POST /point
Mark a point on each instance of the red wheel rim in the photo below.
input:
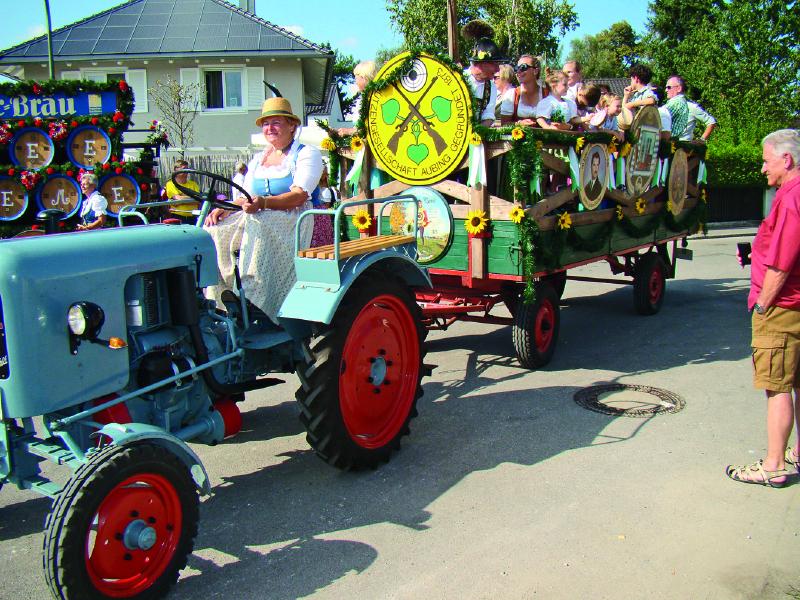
(379, 371)
(656, 286)
(146, 504)
(544, 325)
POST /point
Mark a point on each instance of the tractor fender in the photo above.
(318, 302)
(125, 434)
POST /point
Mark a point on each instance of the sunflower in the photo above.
(517, 214)
(362, 220)
(620, 214)
(517, 133)
(564, 221)
(476, 222)
(640, 204)
(356, 143)
(579, 144)
(539, 144)
(626, 149)
(612, 147)
(475, 140)
(328, 144)
(670, 206)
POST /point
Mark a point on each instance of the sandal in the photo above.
(755, 473)
(790, 457)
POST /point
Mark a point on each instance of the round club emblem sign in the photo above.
(643, 159)
(593, 175)
(678, 181)
(419, 125)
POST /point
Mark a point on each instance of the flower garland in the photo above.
(528, 232)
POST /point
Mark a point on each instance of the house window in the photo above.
(224, 88)
(102, 76)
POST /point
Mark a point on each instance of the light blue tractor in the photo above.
(111, 360)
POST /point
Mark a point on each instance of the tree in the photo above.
(740, 58)
(532, 26)
(343, 65)
(610, 53)
(178, 104)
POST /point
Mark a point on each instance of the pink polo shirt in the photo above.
(777, 245)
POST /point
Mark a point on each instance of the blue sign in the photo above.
(57, 105)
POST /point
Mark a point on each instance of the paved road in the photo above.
(507, 488)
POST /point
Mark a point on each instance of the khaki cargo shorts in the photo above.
(776, 349)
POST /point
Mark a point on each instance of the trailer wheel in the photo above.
(558, 281)
(649, 284)
(360, 386)
(535, 330)
(122, 527)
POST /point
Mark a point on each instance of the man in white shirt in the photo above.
(676, 88)
(483, 64)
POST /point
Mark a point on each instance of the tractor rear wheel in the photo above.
(360, 386)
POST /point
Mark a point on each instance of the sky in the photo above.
(355, 27)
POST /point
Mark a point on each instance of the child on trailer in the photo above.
(556, 111)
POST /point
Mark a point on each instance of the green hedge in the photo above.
(731, 166)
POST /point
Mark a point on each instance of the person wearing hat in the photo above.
(282, 181)
(484, 62)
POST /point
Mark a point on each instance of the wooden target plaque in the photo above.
(60, 192)
(643, 159)
(88, 145)
(13, 199)
(119, 190)
(32, 148)
(678, 180)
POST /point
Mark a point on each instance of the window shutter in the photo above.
(70, 75)
(137, 79)
(255, 87)
(190, 76)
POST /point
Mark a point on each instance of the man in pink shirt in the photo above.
(775, 301)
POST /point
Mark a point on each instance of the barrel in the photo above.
(87, 145)
(13, 198)
(120, 190)
(32, 148)
(61, 192)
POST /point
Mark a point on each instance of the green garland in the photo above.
(528, 231)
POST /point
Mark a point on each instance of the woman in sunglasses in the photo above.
(518, 106)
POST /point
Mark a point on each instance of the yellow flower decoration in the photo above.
(564, 221)
(356, 143)
(670, 206)
(476, 221)
(517, 133)
(620, 214)
(362, 220)
(482, 54)
(475, 140)
(640, 205)
(673, 147)
(517, 214)
(626, 149)
(539, 144)
(579, 144)
(328, 144)
(612, 147)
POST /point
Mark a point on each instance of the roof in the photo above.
(149, 28)
(616, 84)
(327, 103)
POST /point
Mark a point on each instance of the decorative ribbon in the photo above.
(612, 180)
(620, 172)
(664, 179)
(656, 174)
(477, 165)
(701, 173)
(354, 174)
(573, 169)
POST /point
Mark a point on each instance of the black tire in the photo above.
(558, 281)
(139, 491)
(649, 284)
(535, 330)
(361, 382)
(511, 296)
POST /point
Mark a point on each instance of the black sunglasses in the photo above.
(524, 67)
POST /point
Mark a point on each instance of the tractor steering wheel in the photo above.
(211, 195)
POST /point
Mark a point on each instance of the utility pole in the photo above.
(50, 64)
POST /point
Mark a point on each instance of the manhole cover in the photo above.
(628, 400)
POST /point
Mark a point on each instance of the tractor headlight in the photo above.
(85, 320)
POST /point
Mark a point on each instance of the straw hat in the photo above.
(277, 107)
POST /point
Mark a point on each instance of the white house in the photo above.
(226, 48)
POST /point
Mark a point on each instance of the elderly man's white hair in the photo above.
(785, 141)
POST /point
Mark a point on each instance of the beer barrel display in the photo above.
(526, 204)
(60, 192)
(13, 198)
(88, 145)
(32, 148)
(120, 190)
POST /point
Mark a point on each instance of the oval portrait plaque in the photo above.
(434, 226)
(32, 148)
(87, 145)
(593, 175)
(61, 192)
(119, 190)
(419, 126)
(678, 181)
(13, 199)
(643, 159)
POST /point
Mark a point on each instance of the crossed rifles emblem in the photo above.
(416, 122)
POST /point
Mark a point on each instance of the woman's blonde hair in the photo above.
(506, 73)
(366, 69)
(607, 99)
